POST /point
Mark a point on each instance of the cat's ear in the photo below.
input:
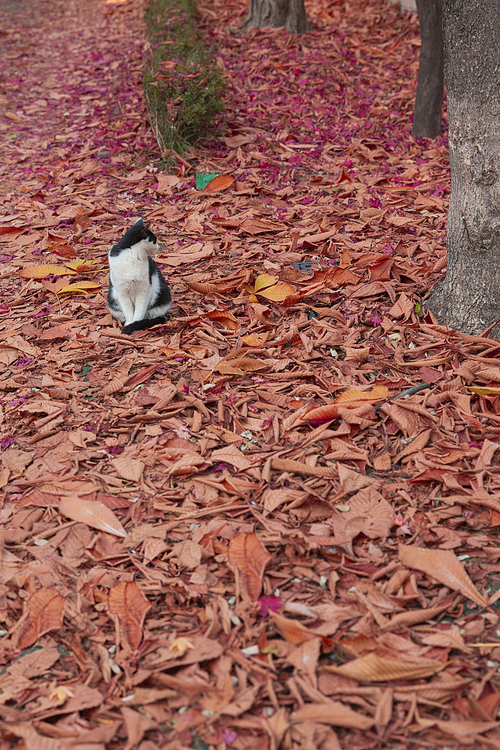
(146, 226)
(139, 223)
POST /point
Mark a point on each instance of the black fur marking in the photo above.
(138, 232)
(141, 325)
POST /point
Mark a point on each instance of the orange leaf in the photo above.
(345, 259)
(127, 602)
(293, 630)
(256, 339)
(63, 250)
(215, 286)
(40, 272)
(222, 182)
(247, 553)
(140, 377)
(341, 276)
(444, 566)
(347, 398)
(92, 512)
(382, 270)
(45, 612)
(377, 393)
(80, 266)
(321, 413)
(224, 317)
(203, 287)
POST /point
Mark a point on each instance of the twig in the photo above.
(408, 392)
(237, 340)
(186, 163)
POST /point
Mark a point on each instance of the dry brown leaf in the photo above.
(247, 553)
(127, 602)
(293, 630)
(450, 638)
(463, 731)
(443, 566)
(367, 513)
(92, 512)
(128, 468)
(374, 668)
(334, 713)
(45, 613)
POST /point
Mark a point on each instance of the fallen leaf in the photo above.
(443, 566)
(127, 602)
(247, 553)
(45, 613)
(92, 512)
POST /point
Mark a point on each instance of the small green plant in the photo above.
(182, 84)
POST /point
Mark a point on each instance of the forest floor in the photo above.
(229, 531)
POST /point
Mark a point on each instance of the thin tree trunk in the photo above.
(288, 13)
(429, 99)
(469, 297)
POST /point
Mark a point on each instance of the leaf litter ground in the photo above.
(234, 530)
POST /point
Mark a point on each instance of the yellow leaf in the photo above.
(41, 271)
(277, 293)
(80, 287)
(263, 281)
(179, 646)
(484, 390)
(60, 694)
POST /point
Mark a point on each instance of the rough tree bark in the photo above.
(429, 99)
(468, 299)
(288, 13)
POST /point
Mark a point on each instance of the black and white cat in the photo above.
(138, 294)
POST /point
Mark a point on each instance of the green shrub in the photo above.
(182, 84)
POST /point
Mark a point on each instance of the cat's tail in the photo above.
(140, 325)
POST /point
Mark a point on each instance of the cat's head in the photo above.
(141, 231)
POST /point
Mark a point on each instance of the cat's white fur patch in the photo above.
(129, 273)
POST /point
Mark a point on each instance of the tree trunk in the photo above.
(429, 99)
(288, 13)
(469, 297)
